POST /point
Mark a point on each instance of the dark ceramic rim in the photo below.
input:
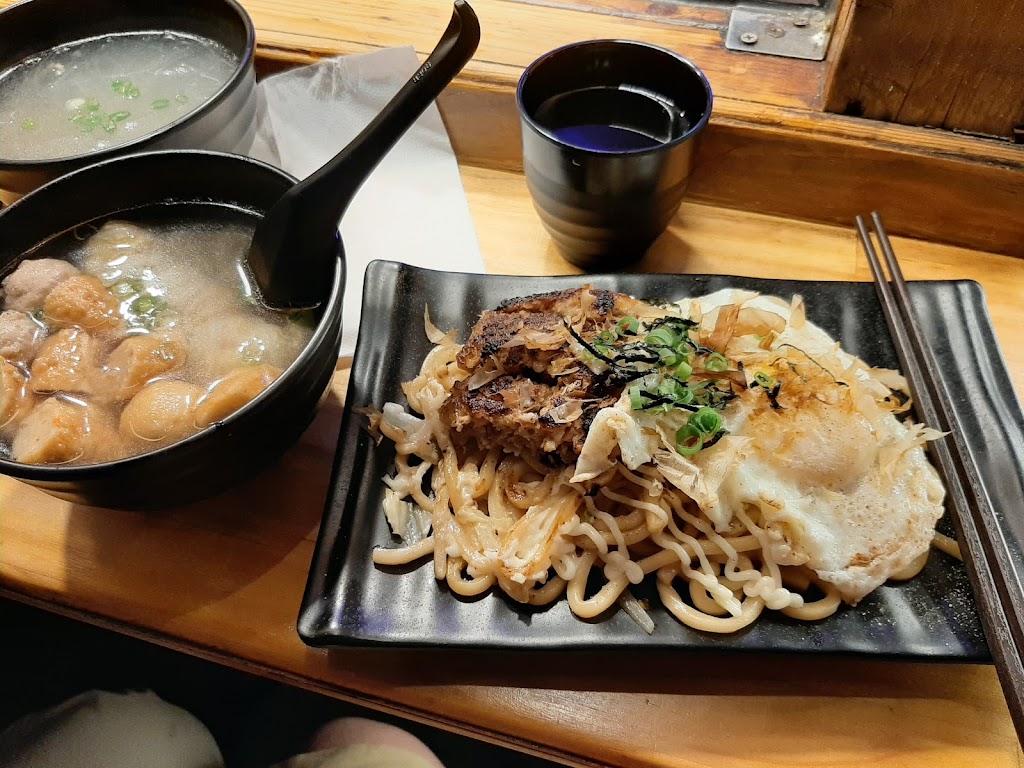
(63, 473)
(57, 163)
(689, 65)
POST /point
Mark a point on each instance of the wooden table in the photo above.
(223, 579)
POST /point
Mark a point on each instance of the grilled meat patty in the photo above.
(528, 392)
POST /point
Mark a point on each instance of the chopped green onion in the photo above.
(671, 388)
(126, 89)
(707, 421)
(161, 104)
(685, 396)
(147, 305)
(28, 125)
(635, 400)
(628, 324)
(662, 336)
(671, 357)
(145, 311)
(119, 117)
(683, 371)
(144, 305)
(688, 440)
(716, 363)
(89, 119)
(607, 336)
(764, 380)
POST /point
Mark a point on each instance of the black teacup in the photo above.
(608, 144)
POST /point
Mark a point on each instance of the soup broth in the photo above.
(102, 92)
(126, 337)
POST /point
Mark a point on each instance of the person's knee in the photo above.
(352, 731)
(134, 730)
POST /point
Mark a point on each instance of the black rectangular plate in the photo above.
(351, 602)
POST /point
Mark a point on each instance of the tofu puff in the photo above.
(148, 272)
(16, 399)
(65, 431)
(69, 361)
(840, 484)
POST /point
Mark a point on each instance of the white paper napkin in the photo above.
(412, 208)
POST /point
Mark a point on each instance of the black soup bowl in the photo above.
(225, 122)
(230, 451)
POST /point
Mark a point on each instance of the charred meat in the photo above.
(531, 389)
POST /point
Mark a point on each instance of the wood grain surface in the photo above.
(933, 185)
(769, 147)
(955, 64)
(515, 33)
(223, 579)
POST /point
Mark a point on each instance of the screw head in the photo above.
(749, 38)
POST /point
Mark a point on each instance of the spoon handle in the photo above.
(365, 152)
(293, 254)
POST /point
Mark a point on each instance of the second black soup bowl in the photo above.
(244, 443)
(226, 122)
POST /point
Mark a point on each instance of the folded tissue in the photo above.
(412, 208)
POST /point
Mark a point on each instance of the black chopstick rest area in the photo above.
(996, 584)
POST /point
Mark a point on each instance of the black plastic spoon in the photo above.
(294, 246)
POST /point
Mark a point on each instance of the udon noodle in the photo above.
(489, 512)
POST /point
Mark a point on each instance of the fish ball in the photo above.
(85, 302)
(233, 391)
(138, 360)
(20, 337)
(67, 362)
(27, 287)
(162, 412)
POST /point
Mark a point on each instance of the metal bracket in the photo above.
(798, 33)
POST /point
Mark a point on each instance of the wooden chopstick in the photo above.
(998, 591)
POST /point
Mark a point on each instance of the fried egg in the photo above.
(842, 485)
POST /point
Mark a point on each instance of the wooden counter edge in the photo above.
(250, 666)
(929, 184)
